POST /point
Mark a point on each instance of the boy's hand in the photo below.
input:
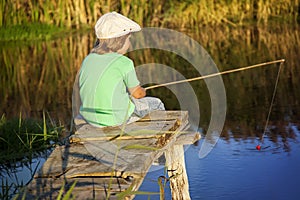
(137, 92)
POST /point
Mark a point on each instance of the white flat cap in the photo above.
(113, 24)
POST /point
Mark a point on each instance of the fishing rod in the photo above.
(216, 74)
(258, 147)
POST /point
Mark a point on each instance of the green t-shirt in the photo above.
(103, 84)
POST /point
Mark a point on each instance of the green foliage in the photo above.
(31, 31)
(165, 13)
(22, 138)
(27, 20)
(62, 195)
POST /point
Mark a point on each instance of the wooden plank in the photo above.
(157, 120)
(159, 115)
(88, 131)
(187, 137)
(67, 160)
(142, 134)
(86, 188)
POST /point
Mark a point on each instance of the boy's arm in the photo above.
(137, 92)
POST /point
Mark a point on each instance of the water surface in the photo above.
(42, 79)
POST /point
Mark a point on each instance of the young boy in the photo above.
(110, 92)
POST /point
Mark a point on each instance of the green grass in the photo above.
(32, 31)
(21, 139)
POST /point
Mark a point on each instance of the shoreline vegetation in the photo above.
(35, 20)
(50, 71)
(21, 138)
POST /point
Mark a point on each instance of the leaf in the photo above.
(45, 127)
(137, 146)
(69, 192)
(129, 192)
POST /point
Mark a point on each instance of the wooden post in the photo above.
(177, 173)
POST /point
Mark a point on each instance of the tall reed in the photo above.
(182, 14)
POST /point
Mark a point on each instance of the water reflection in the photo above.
(40, 76)
(14, 176)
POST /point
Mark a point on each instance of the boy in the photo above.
(110, 92)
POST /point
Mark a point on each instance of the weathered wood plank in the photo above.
(65, 160)
(86, 188)
(138, 128)
(187, 137)
(166, 115)
(146, 134)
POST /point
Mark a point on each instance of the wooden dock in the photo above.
(111, 162)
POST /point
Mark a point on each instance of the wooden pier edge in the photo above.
(74, 163)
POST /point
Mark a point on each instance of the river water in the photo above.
(42, 79)
(236, 170)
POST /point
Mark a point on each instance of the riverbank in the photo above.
(25, 20)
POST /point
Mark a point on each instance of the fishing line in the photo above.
(258, 147)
